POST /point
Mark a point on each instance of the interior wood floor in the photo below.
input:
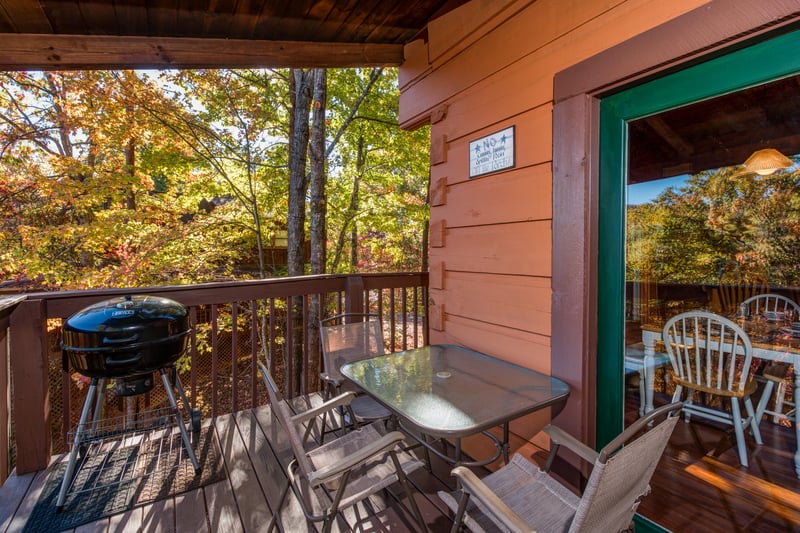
(699, 485)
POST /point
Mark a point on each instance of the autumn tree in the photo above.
(93, 214)
(715, 221)
(377, 195)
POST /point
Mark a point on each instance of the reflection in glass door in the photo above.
(700, 211)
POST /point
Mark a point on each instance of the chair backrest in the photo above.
(708, 351)
(349, 337)
(735, 287)
(283, 413)
(621, 474)
(774, 303)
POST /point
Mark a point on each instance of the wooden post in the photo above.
(4, 399)
(31, 393)
(354, 295)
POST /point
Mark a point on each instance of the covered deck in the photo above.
(254, 452)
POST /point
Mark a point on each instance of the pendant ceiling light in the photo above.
(767, 162)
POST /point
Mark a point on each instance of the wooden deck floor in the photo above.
(255, 452)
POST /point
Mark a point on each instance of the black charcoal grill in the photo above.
(126, 339)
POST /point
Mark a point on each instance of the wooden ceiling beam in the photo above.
(71, 52)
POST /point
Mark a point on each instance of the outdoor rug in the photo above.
(108, 484)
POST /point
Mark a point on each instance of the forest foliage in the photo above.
(718, 222)
(139, 178)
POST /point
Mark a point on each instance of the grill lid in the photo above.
(125, 322)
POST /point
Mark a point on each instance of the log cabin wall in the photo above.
(488, 65)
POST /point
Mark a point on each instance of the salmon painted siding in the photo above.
(488, 65)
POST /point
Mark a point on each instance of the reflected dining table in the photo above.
(771, 342)
(443, 391)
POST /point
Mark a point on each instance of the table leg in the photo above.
(797, 419)
(648, 372)
(505, 442)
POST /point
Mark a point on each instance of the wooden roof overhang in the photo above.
(117, 34)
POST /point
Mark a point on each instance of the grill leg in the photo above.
(70, 471)
(193, 413)
(101, 385)
(181, 426)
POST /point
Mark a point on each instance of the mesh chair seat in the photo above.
(522, 497)
(352, 467)
(544, 503)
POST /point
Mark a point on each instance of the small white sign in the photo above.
(492, 153)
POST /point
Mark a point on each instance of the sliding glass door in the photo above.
(699, 209)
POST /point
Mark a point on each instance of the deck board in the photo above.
(190, 512)
(242, 475)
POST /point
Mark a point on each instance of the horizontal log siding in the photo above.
(486, 66)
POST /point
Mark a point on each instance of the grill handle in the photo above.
(126, 340)
(110, 361)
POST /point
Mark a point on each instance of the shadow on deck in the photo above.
(255, 453)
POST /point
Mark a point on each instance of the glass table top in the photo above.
(451, 391)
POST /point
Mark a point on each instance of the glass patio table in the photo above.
(447, 391)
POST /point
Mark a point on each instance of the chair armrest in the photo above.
(364, 454)
(327, 378)
(559, 437)
(473, 486)
(343, 399)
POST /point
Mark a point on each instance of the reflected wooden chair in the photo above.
(711, 354)
(769, 305)
(778, 376)
(342, 472)
(345, 338)
(736, 287)
(522, 497)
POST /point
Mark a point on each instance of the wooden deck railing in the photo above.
(234, 324)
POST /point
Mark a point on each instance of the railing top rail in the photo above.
(62, 304)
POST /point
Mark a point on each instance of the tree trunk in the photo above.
(130, 169)
(300, 88)
(361, 162)
(319, 239)
(349, 221)
(317, 176)
(298, 182)
(426, 227)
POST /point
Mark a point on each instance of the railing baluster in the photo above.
(214, 360)
(405, 318)
(416, 317)
(272, 344)
(5, 389)
(234, 355)
(193, 354)
(65, 404)
(392, 327)
(254, 354)
(304, 349)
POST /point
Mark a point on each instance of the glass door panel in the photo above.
(691, 219)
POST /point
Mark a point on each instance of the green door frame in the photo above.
(746, 67)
